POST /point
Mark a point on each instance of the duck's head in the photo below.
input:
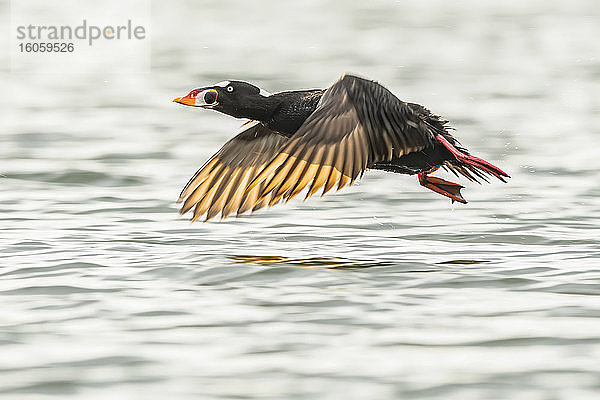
(236, 98)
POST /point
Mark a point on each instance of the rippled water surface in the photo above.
(384, 290)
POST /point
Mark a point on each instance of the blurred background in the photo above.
(384, 290)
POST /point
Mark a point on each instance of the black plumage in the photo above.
(320, 139)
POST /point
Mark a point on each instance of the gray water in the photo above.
(383, 290)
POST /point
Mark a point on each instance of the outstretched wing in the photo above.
(357, 123)
(220, 185)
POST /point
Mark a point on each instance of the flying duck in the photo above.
(320, 138)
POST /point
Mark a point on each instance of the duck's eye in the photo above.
(230, 89)
(210, 96)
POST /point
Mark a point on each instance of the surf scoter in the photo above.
(320, 138)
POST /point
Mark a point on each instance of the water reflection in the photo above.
(464, 262)
(320, 262)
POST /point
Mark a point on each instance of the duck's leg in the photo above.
(476, 162)
(441, 186)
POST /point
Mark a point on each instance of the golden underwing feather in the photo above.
(309, 172)
(344, 180)
(360, 151)
(281, 173)
(322, 172)
(268, 170)
(270, 201)
(235, 197)
(198, 178)
(332, 156)
(347, 161)
(296, 170)
(203, 205)
(333, 177)
(222, 194)
(349, 156)
(292, 177)
(306, 177)
(320, 178)
(261, 203)
(201, 190)
(250, 198)
(275, 197)
(219, 186)
(286, 175)
(265, 201)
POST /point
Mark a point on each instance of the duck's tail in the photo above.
(473, 168)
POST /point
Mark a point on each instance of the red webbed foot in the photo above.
(442, 186)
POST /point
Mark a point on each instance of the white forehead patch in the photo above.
(264, 93)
